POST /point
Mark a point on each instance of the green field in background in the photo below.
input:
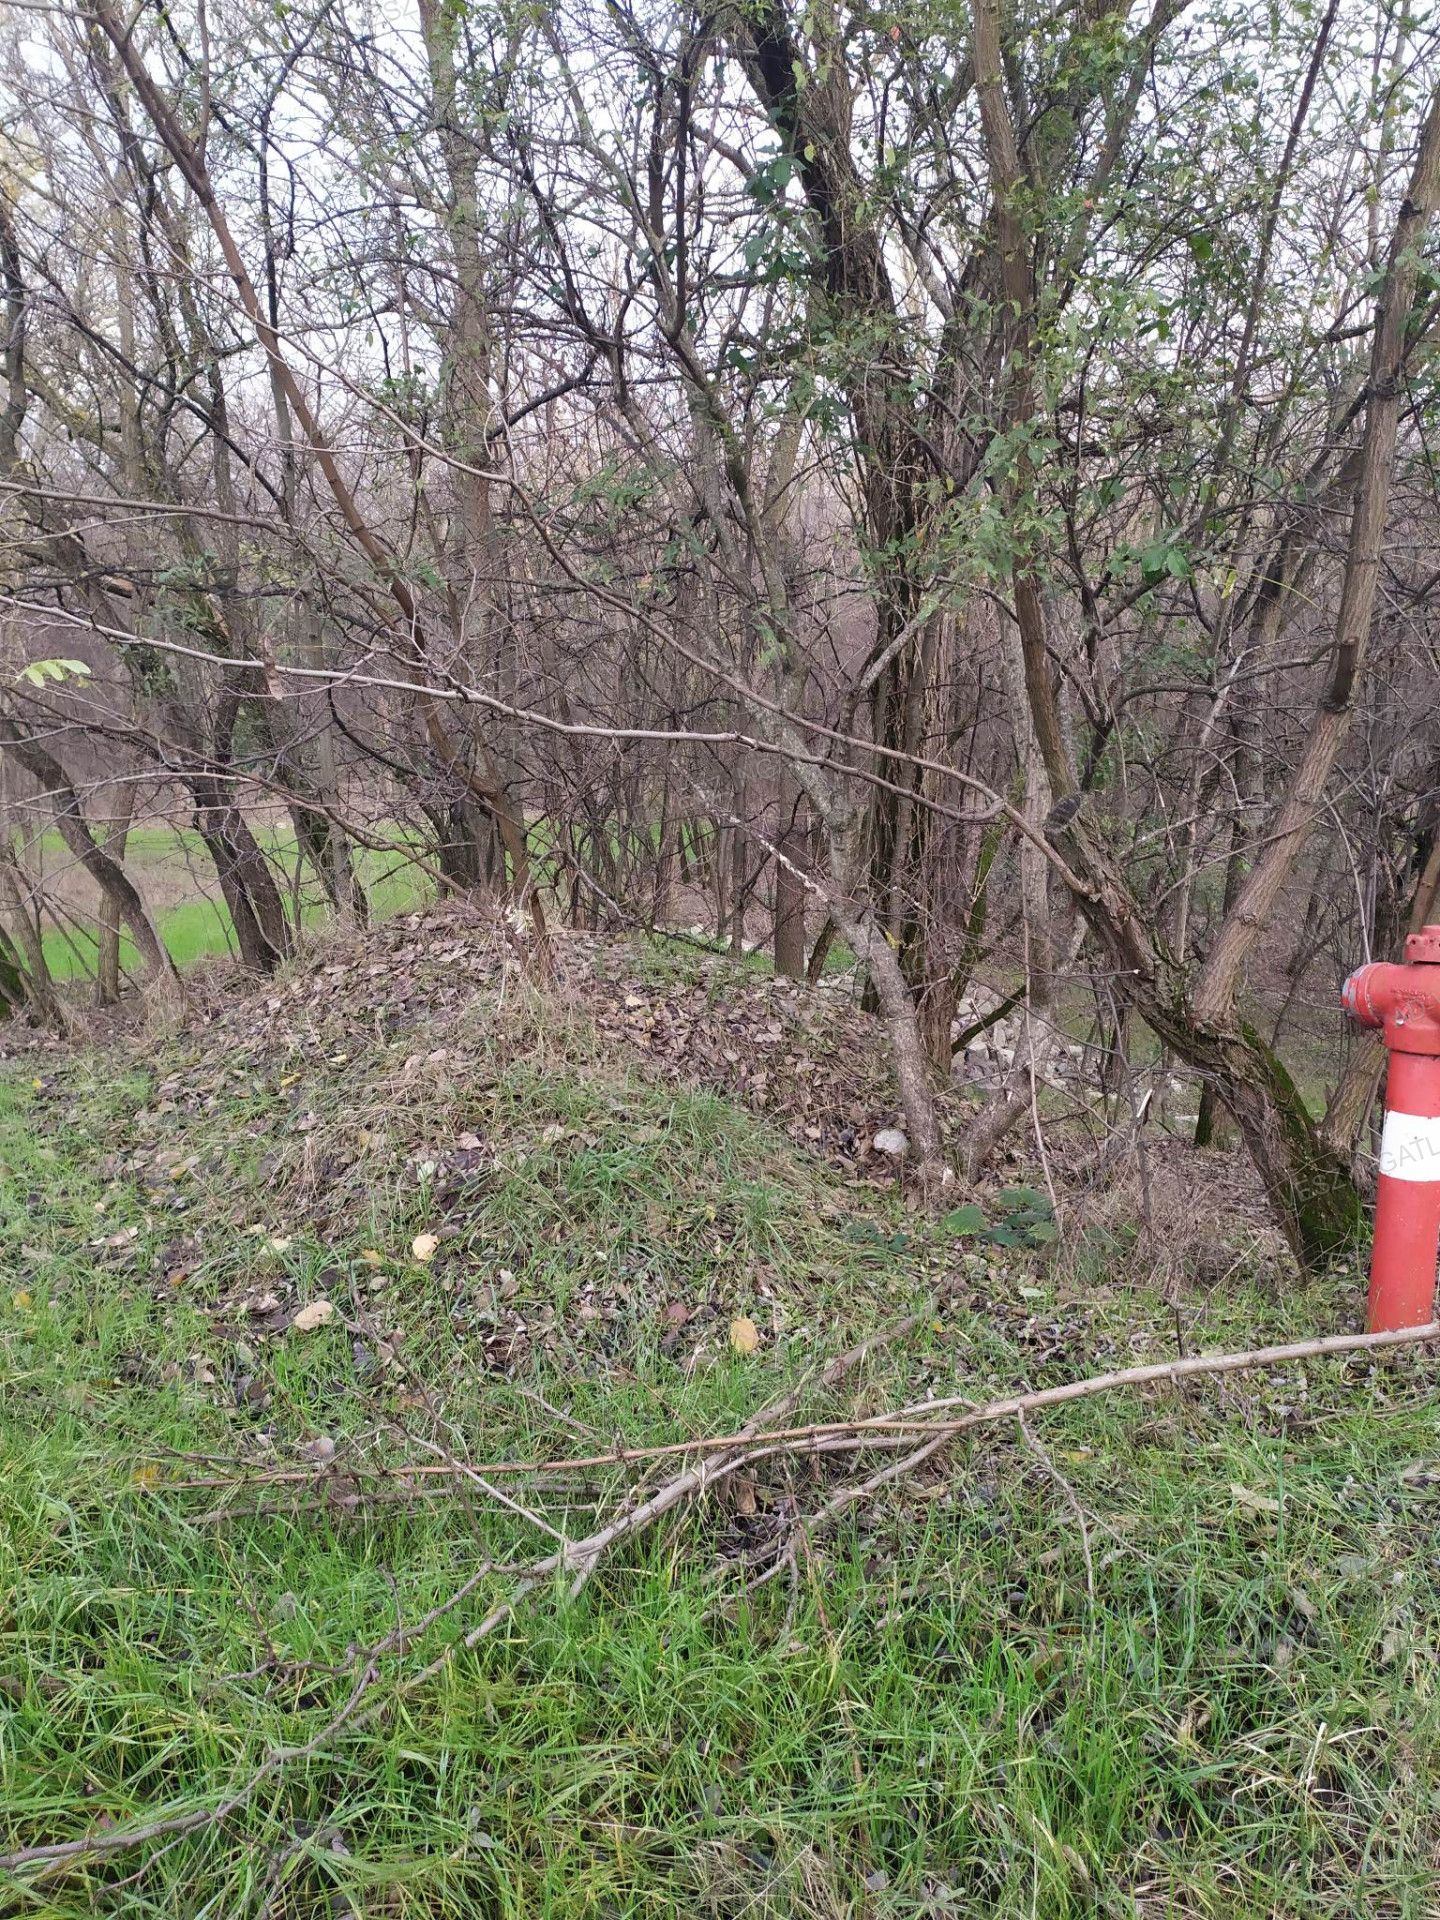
(201, 928)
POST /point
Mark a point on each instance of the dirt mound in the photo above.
(808, 1058)
(366, 1054)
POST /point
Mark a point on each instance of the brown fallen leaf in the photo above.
(1254, 1502)
(1192, 1724)
(425, 1246)
(1395, 1642)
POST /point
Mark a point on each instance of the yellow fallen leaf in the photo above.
(21, 1299)
(317, 1314)
(372, 1257)
(425, 1246)
(744, 1334)
(145, 1478)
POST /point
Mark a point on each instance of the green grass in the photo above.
(201, 928)
(927, 1716)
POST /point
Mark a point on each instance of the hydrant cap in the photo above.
(1423, 948)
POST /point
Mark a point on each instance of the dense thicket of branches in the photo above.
(923, 476)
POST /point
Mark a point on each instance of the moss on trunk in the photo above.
(1313, 1187)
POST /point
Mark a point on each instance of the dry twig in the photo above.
(904, 1420)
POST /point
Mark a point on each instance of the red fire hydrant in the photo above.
(1404, 1001)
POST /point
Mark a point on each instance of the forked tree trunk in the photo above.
(896, 1006)
(1294, 818)
(24, 971)
(483, 780)
(108, 876)
(1308, 1184)
(247, 884)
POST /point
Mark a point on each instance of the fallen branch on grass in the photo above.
(871, 1434)
(578, 1558)
(904, 1420)
(724, 1455)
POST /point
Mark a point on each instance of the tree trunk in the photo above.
(14, 992)
(1290, 825)
(789, 948)
(486, 784)
(54, 784)
(327, 847)
(1307, 1183)
(247, 885)
(461, 830)
(739, 893)
(30, 979)
(1038, 1037)
(820, 952)
(664, 862)
(896, 1006)
(107, 953)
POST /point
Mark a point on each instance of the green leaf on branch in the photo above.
(40, 671)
